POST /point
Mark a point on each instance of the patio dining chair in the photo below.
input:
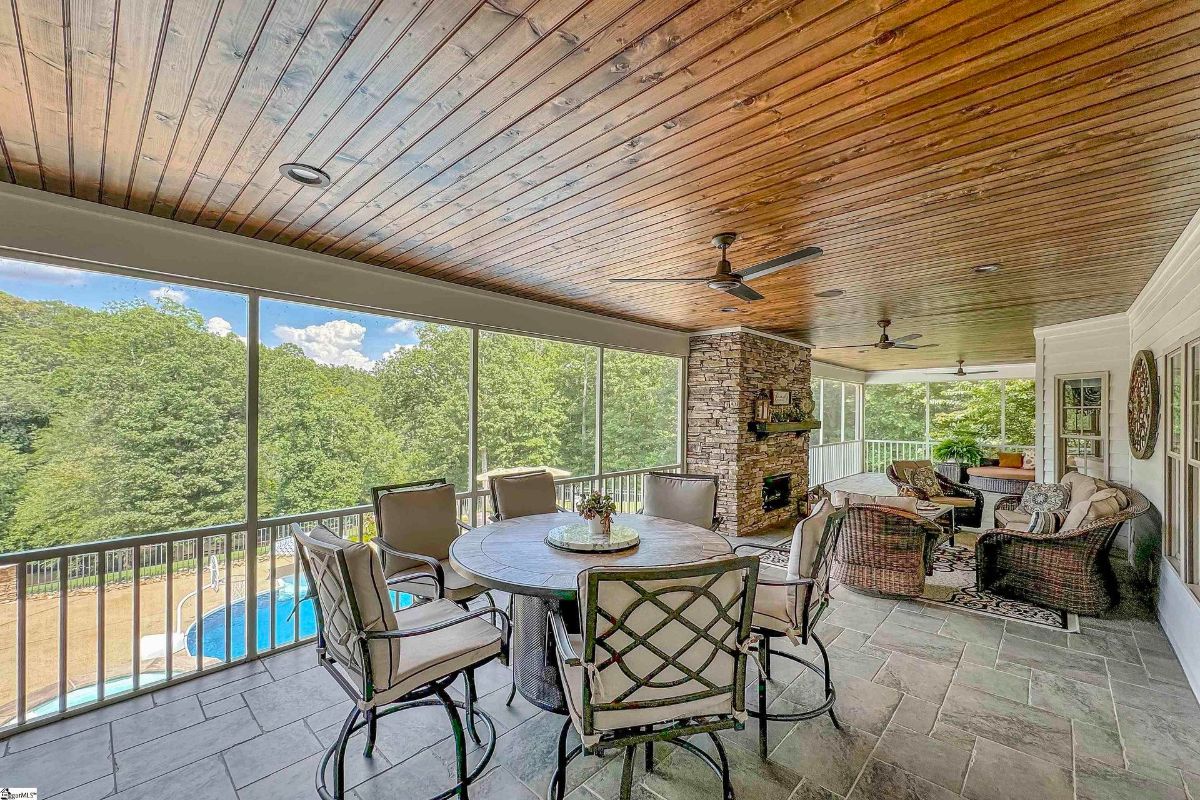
(662, 657)
(684, 498)
(388, 661)
(417, 523)
(791, 606)
(523, 494)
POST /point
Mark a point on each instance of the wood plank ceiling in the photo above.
(541, 147)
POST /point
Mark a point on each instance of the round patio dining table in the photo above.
(512, 555)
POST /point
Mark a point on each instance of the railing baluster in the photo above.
(169, 625)
(62, 633)
(102, 571)
(137, 617)
(271, 603)
(228, 596)
(199, 604)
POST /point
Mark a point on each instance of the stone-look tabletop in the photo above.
(512, 555)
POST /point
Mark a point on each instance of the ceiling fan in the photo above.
(960, 373)
(886, 342)
(726, 280)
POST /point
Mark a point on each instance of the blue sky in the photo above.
(331, 336)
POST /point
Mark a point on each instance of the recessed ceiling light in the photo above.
(986, 269)
(830, 293)
(304, 174)
(730, 310)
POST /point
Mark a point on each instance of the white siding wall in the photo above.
(1166, 312)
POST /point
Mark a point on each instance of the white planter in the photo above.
(596, 526)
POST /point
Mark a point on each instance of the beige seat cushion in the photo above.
(524, 495)
(1006, 473)
(690, 500)
(957, 502)
(430, 656)
(1014, 519)
(1101, 504)
(420, 520)
(1082, 487)
(457, 587)
(900, 503)
(776, 608)
(841, 499)
(572, 680)
(806, 538)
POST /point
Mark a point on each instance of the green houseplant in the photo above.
(962, 449)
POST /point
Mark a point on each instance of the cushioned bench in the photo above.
(1006, 480)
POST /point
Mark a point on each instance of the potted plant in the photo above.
(597, 509)
(959, 451)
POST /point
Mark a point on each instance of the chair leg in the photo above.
(460, 744)
(762, 713)
(649, 757)
(339, 757)
(764, 655)
(627, 772)
(512, 690)
(472, 696)
(828, 678)
(372, 726)
(726, 784)
(558, 783)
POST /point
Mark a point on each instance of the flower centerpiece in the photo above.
(597, 509)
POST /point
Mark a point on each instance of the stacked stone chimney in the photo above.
(725, 374)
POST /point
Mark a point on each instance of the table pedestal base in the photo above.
(534, 665)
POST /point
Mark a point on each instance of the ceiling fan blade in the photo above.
(982, 371)
(744, 292)
(659, 280)
(843, 346)
(913, 346)
(783, 262)
(907, 338)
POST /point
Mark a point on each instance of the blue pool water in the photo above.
(285, 633)
(87, 694)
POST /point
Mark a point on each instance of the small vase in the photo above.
(596, 526)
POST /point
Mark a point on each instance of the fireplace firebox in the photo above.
(776, 491)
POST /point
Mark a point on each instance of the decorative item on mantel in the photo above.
(789, 418)
(762, 407)
(1143, 405)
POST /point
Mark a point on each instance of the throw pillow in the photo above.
(841, 499)
(901, 503)
(1045, 522)
(1121, 497)
(1045, 497)
(925, 480)
(1082, 487)
(1011, 460)
(1027, 461)
(1102, 504)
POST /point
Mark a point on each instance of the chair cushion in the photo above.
(572, 680)
(1012, 518)
(524, 495)
(1046, 521)
(1101, 504)
(904, 468)
(1008, 473)
(1082, 487)
(434, 655)
(957, 502)
(1045, 497)
(841, 499)
(457, 587)
(806, 538)
(891, 501)
(690, 500)
(1028, 461)
(1010, 460)
(419, 520)
(924, 479)
(1122, 498)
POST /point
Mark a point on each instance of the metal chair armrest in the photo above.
(562, 641)
(777, 548)
(439, 574)
(405, 633)
(786, 582)
(717, 522)
(463, 526)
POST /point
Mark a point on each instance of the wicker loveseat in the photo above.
(1067, 571)
(968, 501)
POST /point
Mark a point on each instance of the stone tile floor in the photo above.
(934, 705)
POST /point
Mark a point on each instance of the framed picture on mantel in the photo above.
(781, 397)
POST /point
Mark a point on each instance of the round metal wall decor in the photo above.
(1143, 405)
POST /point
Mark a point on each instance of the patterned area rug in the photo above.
(953, 584)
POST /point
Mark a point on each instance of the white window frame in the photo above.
(1060, 437)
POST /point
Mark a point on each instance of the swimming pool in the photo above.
(87, 694)
(285, 625)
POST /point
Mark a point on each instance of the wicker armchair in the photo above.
(967, 516)
(886, 550)
(1068, 571)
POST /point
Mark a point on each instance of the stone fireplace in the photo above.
(726, 373)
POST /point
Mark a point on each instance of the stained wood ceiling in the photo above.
(540, 147)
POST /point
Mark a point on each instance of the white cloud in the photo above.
(40, 273)
(219, 326)
(402, 326)
(337, 343)
(167, 293)
(396, 348)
